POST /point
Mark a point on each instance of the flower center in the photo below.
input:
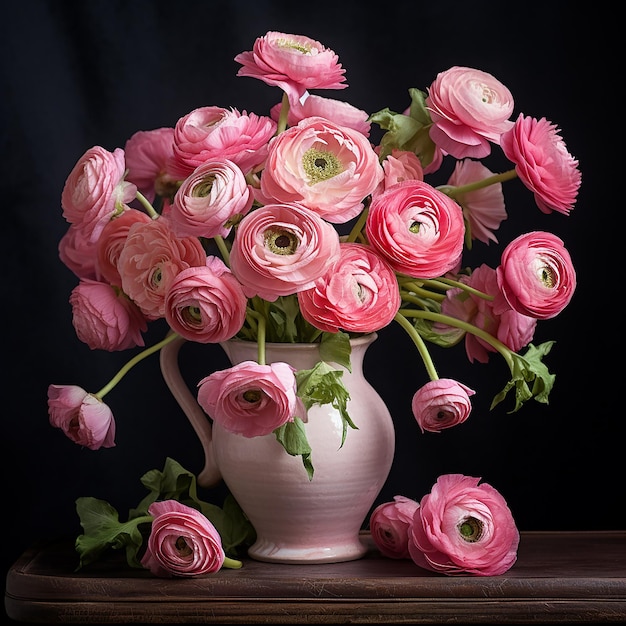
(471, 529)
(547, 276)
(182, 547)
(203, 189)
(294, 45)
(191, 314)
(320, 165)
(252, 396)
(281, 241)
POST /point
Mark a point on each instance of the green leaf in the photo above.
(335, 348)
(292, 437)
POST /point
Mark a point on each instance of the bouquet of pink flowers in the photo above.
(295, 226)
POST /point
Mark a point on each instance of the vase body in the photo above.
(298, 520)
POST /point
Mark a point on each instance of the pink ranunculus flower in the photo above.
(536, 276)
(399, 166)
(483, 208)
(95, 190)
(280, 249)
(470, 109)
(206, 304)
(417, 228)
(183, 542)
(543, 163)
(463, 528)
(294, 63)
(358, 293)
(211, 199)
(104, 318)
(212, 132)
(83, 417)
(151, 258)
(440, 404)
(111, 242)
(77, 253)
(250, 399)
(326, 167)
(148, 155)
(389, 526)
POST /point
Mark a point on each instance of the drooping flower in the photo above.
(389, 526)
(441, 404)
(462, 528)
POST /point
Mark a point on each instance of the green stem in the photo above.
(221, 245)
(147, 206)
(419, 343)
(130, 364)
(454, 192)
(358, 226)
(232, 563)
(284, 111)
(260, 337)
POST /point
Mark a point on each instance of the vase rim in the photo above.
(361, 339)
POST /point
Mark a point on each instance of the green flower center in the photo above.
(294, 45)
(320, 165)
(547, 276)
(191, 314)
(281, 241)
(252, 396)
(471, 529)
(204, 189)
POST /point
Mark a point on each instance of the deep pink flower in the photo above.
(417, 228)
(280, 249)
(462, 528)
(251, 399)
(77, 253)
(543, 163)
(359, 293)
(85, 419)
(294, 63)
(389, 526)
(206, 304)
(470, 109)
(326, 167)
(182, 542)
(536, 276)
(441, 403)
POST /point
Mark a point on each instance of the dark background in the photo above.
(77, 74)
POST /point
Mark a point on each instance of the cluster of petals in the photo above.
(325, 166)
(417, 228)
(183, 542)
(77, 253)
(359, 293)
(295, 63)
(543, 163)
(84, 418)
(470, 109)
(399, 166)
(441, 403)
(251, 399)
(389, 526)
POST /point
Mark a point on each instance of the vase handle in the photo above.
(170, 369)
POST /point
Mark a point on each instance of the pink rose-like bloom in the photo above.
(399, 166)
(462, 528)
(112, 240)
(417, 228)
(209, 200)
(104, 318)
(483, 208)
(536, 276)
(250, 399)
(280, 249)
(151, 258)
(389, 526)
(84, 419)
(441, 403)
(359, 293)
(326, 167)
(469, 109)
(206, 304)
(183, 542)
(77, 253)
(213, 132)
(294, 63)
(148, 154)
(543, 163)
(95, 190)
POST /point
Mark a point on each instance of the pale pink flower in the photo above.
(151, 258)
(212, 132)
(211, 199)
(327, 167)
(483, 208)
(463, 528)
(280, 249)
(536, 276)
(543, 163)
(206, 304)
(250, 399)
(111, 243)
(359, 293)
(83, 417)
(95, 190)
(440, 404)
(417, 228)
(104, 318)
(389, 526)
(470, 109)
(77, 253)
(148, 155)
(399, 166)
(183, 542)
(294, 63)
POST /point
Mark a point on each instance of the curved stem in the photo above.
(221, 244)
(284, 112)
(147, 206)
(232, 563)
(453, 192)
(419, 343)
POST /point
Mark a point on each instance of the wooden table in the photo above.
(558, 577)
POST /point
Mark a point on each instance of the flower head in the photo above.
(441, 404)
(389, 525)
